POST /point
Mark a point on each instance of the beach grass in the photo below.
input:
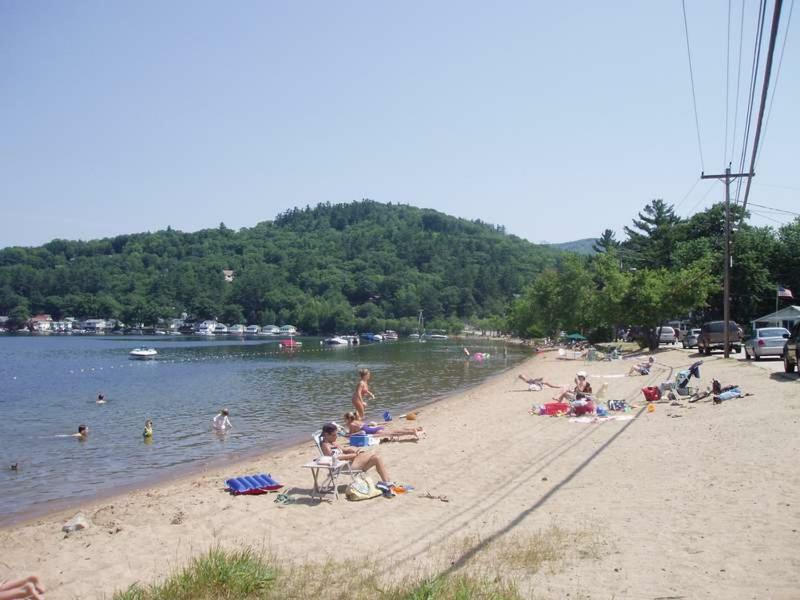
(247, 574)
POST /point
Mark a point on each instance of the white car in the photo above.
(667, 335)
(690, 339)
(767, 341)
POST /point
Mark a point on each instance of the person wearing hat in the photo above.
(582, 386)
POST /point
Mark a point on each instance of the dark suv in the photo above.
(790, 349)
(712, 337)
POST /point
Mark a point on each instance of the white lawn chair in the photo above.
(331, 468)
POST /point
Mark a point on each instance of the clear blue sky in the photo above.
(555, 121)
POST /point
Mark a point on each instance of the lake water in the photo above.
(276, 397)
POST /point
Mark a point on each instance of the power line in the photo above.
(751, 96)
(691, 189)
(727, 85)
(773, 35)
(696, 204)
(780, 210)
(738, 81)
(778, 72)
(691, 78)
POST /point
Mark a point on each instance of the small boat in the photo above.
(437, 336)
(390, 335)
(372, 337)
(413, 336)
(336, 341)
(290, 343)
(143, 353)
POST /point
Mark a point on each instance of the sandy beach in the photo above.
(690, 501)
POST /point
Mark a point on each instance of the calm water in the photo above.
(50, 383)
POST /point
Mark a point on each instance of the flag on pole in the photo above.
(784, 292)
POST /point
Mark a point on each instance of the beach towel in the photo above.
(600, 419)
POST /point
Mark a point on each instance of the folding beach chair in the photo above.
(331, 470)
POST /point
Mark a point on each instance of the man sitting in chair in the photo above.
(357, 458)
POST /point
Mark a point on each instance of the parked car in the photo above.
(690, 339)
(790, 349)
(767, 341)
(667, 335)
(712, 337)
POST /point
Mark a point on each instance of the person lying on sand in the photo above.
(642, 368)
(356, 426)
(535, 384)
(359, 459)
(28, 588)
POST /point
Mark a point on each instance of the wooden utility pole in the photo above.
(726, 282)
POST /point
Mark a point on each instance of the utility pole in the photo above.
(726, 285)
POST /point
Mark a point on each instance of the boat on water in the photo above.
(143, 353)
(436, 336)
(336, 341)
(389, 335)
(270, 330)
(237, 329)
(252, 330)
(220, 329)
(413, 336)
(372, 337)
(290, 343)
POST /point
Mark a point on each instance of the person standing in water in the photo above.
(362, 390)
(221, 422)
(148, 429)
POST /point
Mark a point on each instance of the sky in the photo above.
(555, 120)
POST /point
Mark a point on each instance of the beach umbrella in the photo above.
(575, 336)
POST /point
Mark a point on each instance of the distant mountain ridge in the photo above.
(584, 246)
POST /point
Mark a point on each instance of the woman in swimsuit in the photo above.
(359, 459)
(362, 389)
(582, 386)
(354, 425)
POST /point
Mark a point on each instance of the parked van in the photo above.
(712, 337)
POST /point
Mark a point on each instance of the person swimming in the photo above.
(83, 432)
(148, 429)
(101, 399)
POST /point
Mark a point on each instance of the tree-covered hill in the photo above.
(584, 246)
(324, 269)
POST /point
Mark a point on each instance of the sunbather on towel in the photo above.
(359, 459)
(582, 386)
(354, 425)
(535, 384)
(30, 587)
(642, 368)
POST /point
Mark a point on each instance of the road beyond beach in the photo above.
(688, 501)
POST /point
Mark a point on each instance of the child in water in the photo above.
(221, 422)
(148, 429)
(362, 389)
(83, 432)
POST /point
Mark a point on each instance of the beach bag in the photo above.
(651, 394)
(362, 488)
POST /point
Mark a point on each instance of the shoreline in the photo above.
(703, 490)
(67, 508)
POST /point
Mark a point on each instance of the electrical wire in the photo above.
(727, 85)
(778, 72)
(752, 94)
(773, 38)
(691, 78)
(780, 210)
(691, 189)
(708, 191)
(738, 82)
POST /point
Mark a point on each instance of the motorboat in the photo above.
(143, 353)
(336, 341)
(436, 336)
(290, 343)
(372, 337)
(413, 336)
(390, 335)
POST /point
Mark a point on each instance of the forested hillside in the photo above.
(324, 269)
